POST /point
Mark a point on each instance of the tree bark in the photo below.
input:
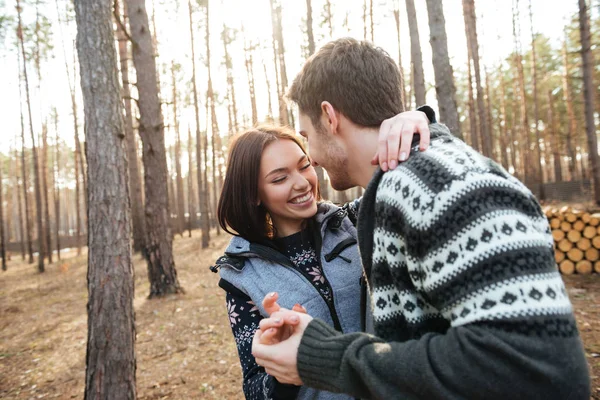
(135, 180)
(280, 59)
(56, 171)
(473, 127)
(572, 125)
(36, 173)
(178, 175)
(190, 183)
(159, 242)
(400, 67)
(215, 142)
(553, 135)
(25, 179)
(202, 192)
(110, 358)
(18, 193)
(248, 62)
(270, 103)
(309, 28)
(472, 42)
(536, 115)
(503, 122)
(311, 49)
(418, 81)
(588, 95)
(230, 82)
(518, 60)
(44, 172)
(2, 233)
(444, 75)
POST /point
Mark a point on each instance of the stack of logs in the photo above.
(576, 240)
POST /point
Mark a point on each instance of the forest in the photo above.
(517, 80)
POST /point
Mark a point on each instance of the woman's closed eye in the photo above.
(305, 166)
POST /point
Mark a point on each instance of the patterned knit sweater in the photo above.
(466, 297)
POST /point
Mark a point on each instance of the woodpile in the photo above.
(576, 240)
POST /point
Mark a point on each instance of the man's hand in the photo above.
(275, 330)
(395, 136)
(280, 360)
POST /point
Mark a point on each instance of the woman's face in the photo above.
(287, 186)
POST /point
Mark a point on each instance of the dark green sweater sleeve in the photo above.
(468, 362)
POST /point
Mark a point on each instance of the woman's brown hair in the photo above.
(238, 211)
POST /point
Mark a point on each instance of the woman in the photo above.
(285, 241)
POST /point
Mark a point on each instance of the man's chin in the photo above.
(341, 186)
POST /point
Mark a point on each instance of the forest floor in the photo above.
(184, 347)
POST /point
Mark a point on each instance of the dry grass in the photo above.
(184, 345)
(185, 349)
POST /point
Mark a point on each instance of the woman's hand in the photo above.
(275, 330)
(395, 138)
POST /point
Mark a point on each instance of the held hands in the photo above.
(395, 138)
(275, 344)
(277, 328)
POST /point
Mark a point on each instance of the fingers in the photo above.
(298, 308)
(270, 303)
(382, 147)
(407, 137)
(393, 144)
(423, 129)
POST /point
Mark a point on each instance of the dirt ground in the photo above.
(184, 348)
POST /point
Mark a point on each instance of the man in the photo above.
(465, 295)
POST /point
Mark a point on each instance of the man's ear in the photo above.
(330, 116)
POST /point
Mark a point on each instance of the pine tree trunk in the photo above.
(444, 75)
(230, 82)
(135, 180)
(418, 81)
(10, 212)
(36, 174)
(588, 94)
(518, 61)
(280, 60)
(215, 146)
(270, 103)
(309, 28)
(190, 186)
(77, 156)
(25, 236)
(178, 175)
(553, 134)
(56, 171)
(323, 187)
(28, 227)
(365, 19)
(328, 16)
(572, 125)
(473, 127)
(17, 194)
(2, 233)
(536, 115)
(202, 192)
(473, 44)
(251, 84)
(503, 122)
(371, 24)
(488, 113)
(159, 242)
(400, 67)
(46, 192)
(519, 148)
(110, 358)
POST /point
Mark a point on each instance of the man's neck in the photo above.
(362, 146)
